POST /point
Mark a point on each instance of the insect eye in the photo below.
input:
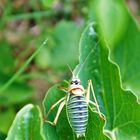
(71, 82)
(76, 82)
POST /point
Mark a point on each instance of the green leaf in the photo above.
(66, 37)
(123, 36)
(27, 124)
(62, 130)
(126, 54)
(119, 106)
(111, 16)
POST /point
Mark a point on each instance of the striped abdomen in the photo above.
(77, 112)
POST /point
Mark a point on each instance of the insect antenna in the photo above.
(73, 75)
(86, 59)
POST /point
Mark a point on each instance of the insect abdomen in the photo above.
(77, 112)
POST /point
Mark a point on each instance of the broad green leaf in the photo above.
(111, 16)
(119, 106)
(126, 54)
(27, 124)
(123, 36)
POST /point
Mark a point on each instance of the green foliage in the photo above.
(26, 73)
(27, 124)
(18, 73)
(2, 136)
(123, 37)
(43, 59)
(112, 18)
(19, 90)
(128, 49)
(59, 41)
(8, 115)
(13, 91)
(23, 91)
(66, 37)
(62, 130)
(116, 103)
(47, 3)
(7, 65)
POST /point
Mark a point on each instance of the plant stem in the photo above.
(21, 70)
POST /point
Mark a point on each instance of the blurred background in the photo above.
(24, 25)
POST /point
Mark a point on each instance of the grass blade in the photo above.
(21, 70)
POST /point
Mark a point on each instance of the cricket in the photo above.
(76, 101)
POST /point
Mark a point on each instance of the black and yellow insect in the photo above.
(77, 101)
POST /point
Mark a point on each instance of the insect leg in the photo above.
(88, 96)
(88, 93)
(57, 114)
(95, 100)
(91, 102)
(63, 89)
(54, 105)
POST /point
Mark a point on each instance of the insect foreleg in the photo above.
(57, 114)
(54, 105)
(63, 89)
(95, 103)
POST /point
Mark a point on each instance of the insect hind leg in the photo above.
(95, 103)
